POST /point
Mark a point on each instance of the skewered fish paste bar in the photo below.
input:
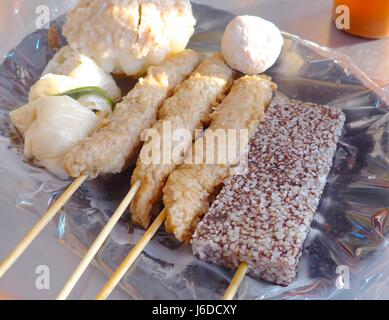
(110, 148)
(188, 109)
(263, 217)
(189, 188)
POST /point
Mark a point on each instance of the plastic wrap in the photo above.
(349, 232)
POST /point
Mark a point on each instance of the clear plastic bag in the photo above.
(349, 232)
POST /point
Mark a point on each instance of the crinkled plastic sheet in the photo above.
(349, 228)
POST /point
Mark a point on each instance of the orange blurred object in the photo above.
(368, 18)
(5, 297)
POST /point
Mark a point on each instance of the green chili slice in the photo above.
(86, 91)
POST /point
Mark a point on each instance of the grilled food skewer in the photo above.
(261, 219)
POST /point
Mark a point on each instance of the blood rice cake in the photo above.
(264, 216)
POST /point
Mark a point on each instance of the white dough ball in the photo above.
(251, 44)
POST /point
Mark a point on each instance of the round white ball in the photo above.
(251, 44)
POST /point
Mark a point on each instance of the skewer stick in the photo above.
(236, 281)
(97, 244)
(40, 225)
(130, 259)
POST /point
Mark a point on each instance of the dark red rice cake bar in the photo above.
(264, 216)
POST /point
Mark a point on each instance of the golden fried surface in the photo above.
(189, 188)
(188, 109)
(110, 148)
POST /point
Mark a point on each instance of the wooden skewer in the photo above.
(40, 225)
(130, 259)
(97, 244)
(236, 281)
(136, 251)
